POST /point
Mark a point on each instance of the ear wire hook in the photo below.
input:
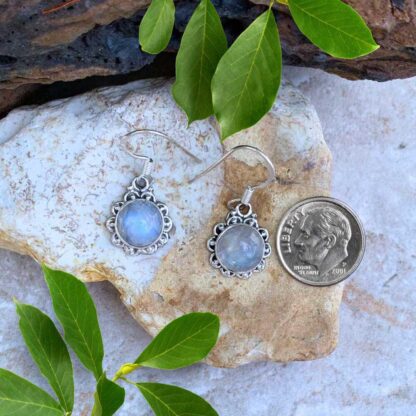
(250, 189)
(148, 161)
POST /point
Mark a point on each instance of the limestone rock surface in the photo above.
(63, 164)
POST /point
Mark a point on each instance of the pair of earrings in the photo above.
(140, 224)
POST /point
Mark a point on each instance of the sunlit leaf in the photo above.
(247, 78)
(182, 342)
(19, 397)
(202, 45)
(76, 311)
(166, 400)
(108, 397)
(156, 26)
(49, 351)
(333, 26)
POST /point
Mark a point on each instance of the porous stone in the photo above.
(378, 322)
(63, 164)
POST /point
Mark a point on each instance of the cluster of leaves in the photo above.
(239, 84)
(181, 343)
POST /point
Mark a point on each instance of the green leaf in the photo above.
(247, 78)
(182, 342)
(49, 351)
(76, 311)
(108, 398)
(202, 45)
(19, 397)
(166, 400)
(333, 26)
(156, 26)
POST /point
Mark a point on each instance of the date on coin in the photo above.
(320, 241)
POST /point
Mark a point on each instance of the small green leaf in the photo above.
(76, 311)
(19, 397)
(333, 26)
(182, 342)
(202, 45)
(49, 351)
(156, 26)
(166, 400)
(126, 369)
(247, 78)
(108, 398)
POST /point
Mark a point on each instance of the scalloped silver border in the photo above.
(235, 216)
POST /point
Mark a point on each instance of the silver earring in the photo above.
(239, 246)
(140, 224)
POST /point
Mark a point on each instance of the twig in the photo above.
(60, 6)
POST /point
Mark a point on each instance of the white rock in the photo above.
(63, 164)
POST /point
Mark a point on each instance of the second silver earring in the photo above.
(239, 246)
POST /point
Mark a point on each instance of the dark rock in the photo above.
(12, 98)
(99, 37)
(36, 94)
(105, 50)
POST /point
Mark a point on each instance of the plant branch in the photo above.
(60, 6)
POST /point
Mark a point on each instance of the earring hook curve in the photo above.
(148, 161)
(248, 193)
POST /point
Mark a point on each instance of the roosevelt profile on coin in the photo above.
(323, 239)
(320, 241)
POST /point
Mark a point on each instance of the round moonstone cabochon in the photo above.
(240, 248)
(139, 223)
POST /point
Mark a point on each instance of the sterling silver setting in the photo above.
(237, 216)
(140, 188)
(239, 246)
(140, 224)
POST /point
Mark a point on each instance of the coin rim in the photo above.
(335, 202)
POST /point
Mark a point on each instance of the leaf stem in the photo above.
(128, 381)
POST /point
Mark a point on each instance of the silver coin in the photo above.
(320, 241)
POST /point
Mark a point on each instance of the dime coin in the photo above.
(320, 241)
